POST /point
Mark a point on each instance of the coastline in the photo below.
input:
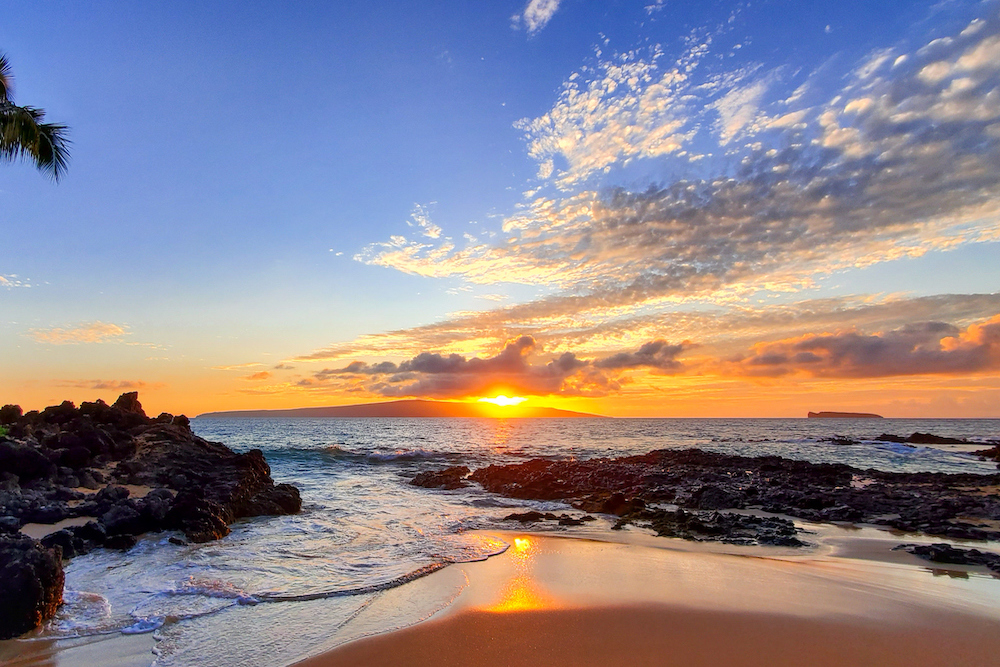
(573, 601)
(580, 600)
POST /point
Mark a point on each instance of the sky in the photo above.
(652, 208)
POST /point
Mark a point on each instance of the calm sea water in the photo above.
(278, 586)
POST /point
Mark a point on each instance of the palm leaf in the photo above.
(24, 135)
(6, 80)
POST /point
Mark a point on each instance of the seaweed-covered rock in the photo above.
(31, 584)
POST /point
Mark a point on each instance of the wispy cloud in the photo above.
(93, 332)
(115, 385)
(901, 159)
(260, 375)
(237, 367)
(536, 15)
(12, 280)
(420, 218)
(727, 330)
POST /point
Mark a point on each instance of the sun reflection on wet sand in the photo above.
(522, 592)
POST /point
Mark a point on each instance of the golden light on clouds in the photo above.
(92, 332)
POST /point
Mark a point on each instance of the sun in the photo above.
(504, 401)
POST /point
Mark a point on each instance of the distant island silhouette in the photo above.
(843, 415)
(407, 408)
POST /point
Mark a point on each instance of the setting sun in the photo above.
(504, 401)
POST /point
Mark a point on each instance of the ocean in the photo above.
(279, 588)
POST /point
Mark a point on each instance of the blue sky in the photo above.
(254, 185)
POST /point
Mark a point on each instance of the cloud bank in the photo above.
(919, 348)
(924, 348)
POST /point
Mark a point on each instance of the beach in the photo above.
(556, 601)
(647, 600)
(378, 570)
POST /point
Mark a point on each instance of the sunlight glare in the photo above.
(504, 401)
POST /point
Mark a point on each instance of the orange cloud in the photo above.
(452, 376)
(115, 385)
(94, 332)
(925, 348)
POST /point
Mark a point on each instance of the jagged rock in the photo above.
(49, 452)
(45, 513)
(726, 527)
(933, 503)
(155, 506)
(69, 544)
(533, 516)
(88, 481)
(201, 520)
(123, 519)
(711, 497)
(619, 505)
(25, 462)
(31, 584)
(122, 542)
(946, 553)
(10, 414)
(931, 439)
(129, 402)
(449, 478)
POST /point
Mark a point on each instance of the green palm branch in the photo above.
(23, 134)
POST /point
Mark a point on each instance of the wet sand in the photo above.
(645, 600)
(663, 635)
(552, 601)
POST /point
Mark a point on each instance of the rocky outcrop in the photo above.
(31, 584)
(728, 527)
(197, 487)
(964, 506)
(919, 438)
(449, 478)
(946, 553)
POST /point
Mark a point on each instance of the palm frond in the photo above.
(24, 135)
(6, 80)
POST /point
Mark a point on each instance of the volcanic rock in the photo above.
(449, 478)
(45, 453)
(31, 584)
(946, 553)
(962, 506)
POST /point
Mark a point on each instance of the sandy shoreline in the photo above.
(663, 635)
(644, 601)
(568, 602)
